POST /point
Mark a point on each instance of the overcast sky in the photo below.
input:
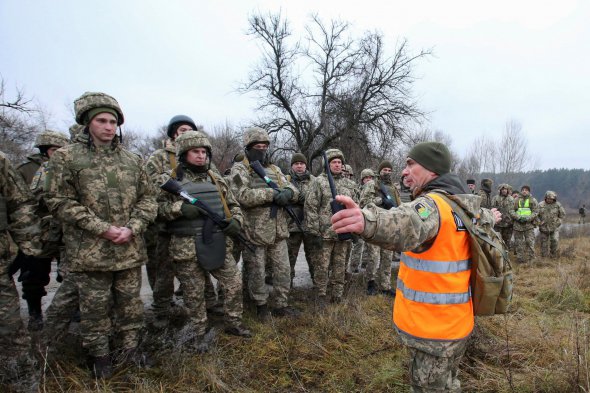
(493, 61)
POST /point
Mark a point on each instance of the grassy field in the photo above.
(542, 345)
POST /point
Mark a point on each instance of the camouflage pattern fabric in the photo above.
(59, 313)
(16, 361)
(486, 199)
(530, 223)
(504, 204)
(330, 266)
(379, 267)
(293, 245)
(551, 216)
(524, 231)
(28, 168)
(89, 189)
(506, 233)
(96, 289)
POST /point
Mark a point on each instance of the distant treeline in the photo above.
(572, 185)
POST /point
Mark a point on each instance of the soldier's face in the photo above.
(549, 201)
(197, 156)
(182, 129)
(416, 175)
(524, 192)
(503, 192)
(299, 167)
(336, 166)
(51, 150)
(103, 128)
(367, 179)
(385, 171)
(471, 186)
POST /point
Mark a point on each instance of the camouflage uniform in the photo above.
(551, 216)
(268, 234)
(505, 205)
(19, 222)
(359, 253)
(296, 235)
(524, 229)
(485, 192)
(183, 249)
(379, 268)
(330, 269)
(434, 363)
(90, 188)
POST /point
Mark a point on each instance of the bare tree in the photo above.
(226, 144)
(513, 156)
(143, 143)
(334, 91)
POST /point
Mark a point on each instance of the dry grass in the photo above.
(542, 345)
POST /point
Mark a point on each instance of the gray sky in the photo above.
(493, 61)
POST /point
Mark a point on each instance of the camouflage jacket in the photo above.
(413, 225)
(531, 221)
(161, 161)
(28, 168)
(371, 193)
(318, 212)
(89, 188)
(256, 198)
(551, 216)
(505, 205)
(17, 214)
(302, 183)
(486, 199)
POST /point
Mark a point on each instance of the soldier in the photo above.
(330, 269)
(359, 254)
(301, 179)
(582, 213)
(551, 215)
(265, 226)
(19, 222)
(433, 312)
(348, 172)
(35, 270)
(405, 194)
(104, 199)
(382, 193)
(485, 192)
(471, 186)
(505, 204)
(524, 214)
(194, 256)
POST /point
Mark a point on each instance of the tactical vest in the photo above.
(433, 298)
(523, 209)
(3, 214)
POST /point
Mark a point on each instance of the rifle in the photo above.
(259, 169)
(334, 204)
(388, 202)
(174, 187)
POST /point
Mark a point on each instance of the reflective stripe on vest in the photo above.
(433, 298)
(524, 210)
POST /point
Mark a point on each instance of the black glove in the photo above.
(233, 227)
(355, 238)
(316, 242)
(190, 211)
(283, 197)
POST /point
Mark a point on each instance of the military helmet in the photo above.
(551, 195)
(349, 169)
(51, 138)
(504, 185)
(334, 153)
(367, 172)
(176, 121)
(75, 130)
(91, 100)
(487, 182)
(254, 135)
(190, 140)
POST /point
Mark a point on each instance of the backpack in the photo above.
(491, 272)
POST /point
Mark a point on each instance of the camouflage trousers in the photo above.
(359, 256)
(255, 266)
(330, 269)
(16, 360)
(524, 245)
(160, 270)
(506, 233)
(379, 266)
(293, 245)
(99, 291)
(59, 313)
(434, 365)
(549, 243)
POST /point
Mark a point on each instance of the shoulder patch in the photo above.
(423, 210)
(458, 222)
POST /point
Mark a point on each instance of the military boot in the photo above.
(35, 314)
(388, 292)
(262, 313)
(285, 312)
(371, 288)
(238, 330)
(102, 367)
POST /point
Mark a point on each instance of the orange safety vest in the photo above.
(433, 297)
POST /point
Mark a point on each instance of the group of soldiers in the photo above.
(521, 214)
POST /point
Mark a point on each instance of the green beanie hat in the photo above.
(298, 157)
(95, 111)
(385, 164)
(433, 156)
